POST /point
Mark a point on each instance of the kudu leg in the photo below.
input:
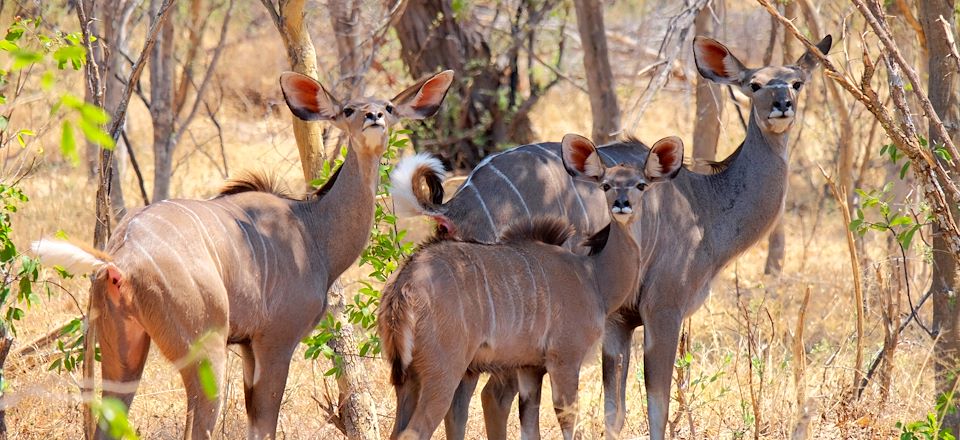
(497, 397)
(564, 381)
(124, 346)
(530, 381)
(271, 367)
(616, 369)
(202, 410)
(455, 423)
(661, 336)
(408, 393)
(436, 392)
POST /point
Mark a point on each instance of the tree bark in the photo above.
(162, 65)
(706, 129)
(596, 64)
(357, 409)
(472, 124)
(345, 19)
(943, 90)
(302, 56)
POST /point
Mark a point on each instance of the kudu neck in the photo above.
(758, 137)
(340, 221)
(615, 266)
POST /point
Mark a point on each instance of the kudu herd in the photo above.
(545, 250)
(691, 228)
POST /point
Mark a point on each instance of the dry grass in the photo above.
(745, 307)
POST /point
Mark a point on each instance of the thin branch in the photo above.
(136, 168)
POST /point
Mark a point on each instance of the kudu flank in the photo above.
(248, 267)
(691, 228)
(459, 307)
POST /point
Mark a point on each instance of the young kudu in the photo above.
(525, 304)
(248, 267)
(694, 225)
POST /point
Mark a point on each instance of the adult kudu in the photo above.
(523, 303)
(249, 267)
(692, 227)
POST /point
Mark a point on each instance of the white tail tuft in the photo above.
(71, 257)
(405, 201)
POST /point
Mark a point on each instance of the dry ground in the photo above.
(730, 382)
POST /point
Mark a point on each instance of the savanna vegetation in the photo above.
(842, 323)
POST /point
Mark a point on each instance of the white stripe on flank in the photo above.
(203, 230)
(606, 155)
(486, 287)
(536, 293)
(554, 182)
(493, 226)
(156, 268)
(512, 187)
(226, 234)
(253, 224)
(573, 187)
(176, 254)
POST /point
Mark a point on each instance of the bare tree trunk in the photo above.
(472, 124)
(944, 93)
(289, 19)
(162, 64)
(596, 63)
(706, 129)
(357, 410)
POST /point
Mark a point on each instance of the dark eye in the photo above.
(390, 109)
(605, 187)
(797, 85)
(641, 186)
(347, 112)
(755, 86)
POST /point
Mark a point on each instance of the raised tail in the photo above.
(408, 180)
(72, 257)
(395, 325)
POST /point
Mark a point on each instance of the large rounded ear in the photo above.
(665, 159)
(580, 156)
(307, 98)
(423, 98)
(715, 62)
(808, 61)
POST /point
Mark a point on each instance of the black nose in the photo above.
(621, 203)
(374, 116)
(782, 104)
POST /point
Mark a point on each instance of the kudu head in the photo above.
(773, 89)
(623, 184)
(364, 120)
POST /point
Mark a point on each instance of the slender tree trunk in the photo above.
(944, 93)
(706, 129)
(162, 64)
(345, 19)
(302, 56)
(596, 63)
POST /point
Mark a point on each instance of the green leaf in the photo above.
(96, 134)
(901, 220)
(23, 58)
(21, 134)
(113, 419)
(903, 170)
(208, 380)
(68, 145)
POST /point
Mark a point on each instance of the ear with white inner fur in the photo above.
(580, 156)
(307, 98)
(665, 159)
(715, 62)
(423, 99)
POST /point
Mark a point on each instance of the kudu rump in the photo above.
(247, 267)
(525, 303)
(691, 228)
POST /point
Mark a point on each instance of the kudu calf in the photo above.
(694, 225)
(247, 267)
(525, 304)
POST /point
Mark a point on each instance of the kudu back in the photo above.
(526, 303)
(248, 267)
(692, 227)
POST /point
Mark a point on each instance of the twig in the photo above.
(840, 193)
(903, 325)
(136, 168)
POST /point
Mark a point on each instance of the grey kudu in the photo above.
(248, 267)
(525, 303)
(691, 228)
